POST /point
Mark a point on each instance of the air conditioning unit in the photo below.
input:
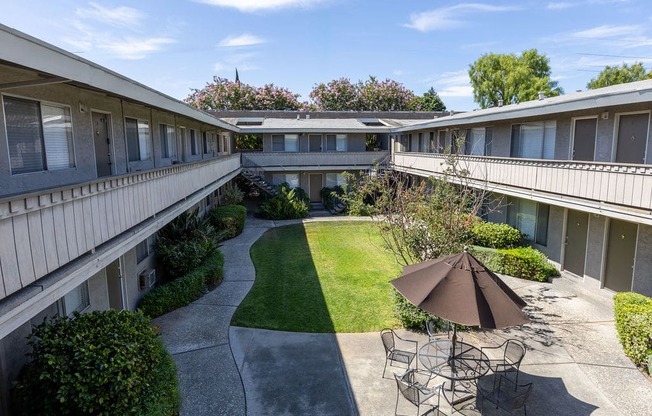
(147, 278)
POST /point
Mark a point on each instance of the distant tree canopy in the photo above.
(612, 75)
(222, 94)
(429, 101)
(511, 78)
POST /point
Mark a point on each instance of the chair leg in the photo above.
(385, 368)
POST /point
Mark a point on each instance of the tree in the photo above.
(387, 95)
(429, 101)
(222, 94)
(336, 95)
(370, 95)
(612, 75)
(511, 78)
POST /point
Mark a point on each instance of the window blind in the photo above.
(24, 135)
(57, 134)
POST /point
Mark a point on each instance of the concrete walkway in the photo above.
(574, 359)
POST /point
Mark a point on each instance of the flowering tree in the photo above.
(222, 94)
(336, 95)
(370, 95)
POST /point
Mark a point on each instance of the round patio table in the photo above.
(466, 363)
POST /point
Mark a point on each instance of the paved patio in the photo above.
(573, 358)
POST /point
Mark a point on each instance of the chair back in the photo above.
(520, 400)
(514, 352)
(405, 385)
(387, 335)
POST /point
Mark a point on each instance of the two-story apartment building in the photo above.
(573, 172)
(92, 165)
(311, 150)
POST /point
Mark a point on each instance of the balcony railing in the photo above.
(316, 160)
(42, 231)
(627, 186)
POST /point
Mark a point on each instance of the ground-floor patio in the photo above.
(573, 356)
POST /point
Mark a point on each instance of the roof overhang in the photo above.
(33, 54)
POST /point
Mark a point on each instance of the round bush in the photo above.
(633, 313)
(99, 363)
(494, 235)
(228, 218)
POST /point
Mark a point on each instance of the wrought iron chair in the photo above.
(509, 359)
(401, 354)
(435, 332)
(417, 392)
(508, 395)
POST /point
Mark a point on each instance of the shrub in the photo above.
(410, 316)
(633, 313)
(183, 290)
(494, 235)
(331, 196)
(99, 363)
(179, 258)
(523, 262)
(284, 206)
(527, 263)
(229, 218)
(231, 194)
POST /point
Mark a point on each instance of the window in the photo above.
(39, 136)
(138, 141)
(168, 142)
(285, 143)
(291, 178)
(76, 300)
(331, 143)
(534, 140)
(478, 141)
(335, 179)
(145, 248)
(206, 142)
(531, 218)
(193, 143)
(341, 142)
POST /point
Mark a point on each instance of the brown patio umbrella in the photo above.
(460, 289)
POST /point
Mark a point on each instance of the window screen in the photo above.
(278, 143)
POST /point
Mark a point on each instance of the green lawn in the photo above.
(321, 277)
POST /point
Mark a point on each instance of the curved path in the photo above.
(574, 358)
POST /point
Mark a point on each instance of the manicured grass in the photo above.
(321, 277)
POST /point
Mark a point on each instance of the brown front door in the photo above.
(584, 139)
(102, 141)
(621, 248)
(315, 142)
(577, 225)
(315, 187)
(632, 138)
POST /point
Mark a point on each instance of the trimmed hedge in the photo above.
(184, 290)
(495, 235)
(230, 218)
(99, 363)
(633, 313)
(523, 262)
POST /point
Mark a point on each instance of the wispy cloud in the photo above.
(450, 17)
(243, 61)
(560, 5)
(608, 31)
(453, 84)
(119, 16)
(116, 35)
(257, 5)
(245, 39)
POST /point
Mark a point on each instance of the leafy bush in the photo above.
(523, 262)
(99, 363)
(183, 244)
(495, 235)
(410, 316)
(527, 263)
(633, 313)
(231, 194)
(284, 206)
(183, 290)
(331, 197)
(230, 218)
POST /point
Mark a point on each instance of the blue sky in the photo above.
(174, 46)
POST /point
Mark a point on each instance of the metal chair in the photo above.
(403, 354)
(434, 331)
(416, 392)
(508, 395)
(511, 354)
